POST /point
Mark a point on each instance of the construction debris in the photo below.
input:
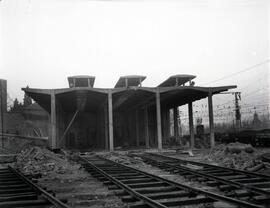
(236, 155)
(36, 160)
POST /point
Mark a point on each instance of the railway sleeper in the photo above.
(249, 180)
(260, 184)
(132, 181)
(185, 201)
(13, 182)
(18, 193)
(151, 184)
(32, 196)
(223, 174)
(157, 196)
(11, 187)
(24, 203)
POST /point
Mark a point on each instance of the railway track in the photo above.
(242, 185)
(140, 189)
(16, 190)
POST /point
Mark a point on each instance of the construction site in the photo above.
(124, 137)
(134, 104)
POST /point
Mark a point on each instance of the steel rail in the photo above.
(216, 178)
(118, 183)
(250, 187)
(56, 202)
(214, 166)
(215, 197)
(209, 176)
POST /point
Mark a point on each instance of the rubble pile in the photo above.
(236, 155)
(37, 160)
(123, 158)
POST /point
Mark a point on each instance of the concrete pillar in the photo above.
(158, 112)
(146, 129)
(106, 142)
(175, 123)
(191, 125)
(3, 107)
(52, 141)
(110, 109)
(137, 129)
(211, 119)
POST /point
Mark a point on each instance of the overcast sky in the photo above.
(44, 41)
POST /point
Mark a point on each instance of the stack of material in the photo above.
(235, 155)
(36, 160)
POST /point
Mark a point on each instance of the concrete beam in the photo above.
(158, 112)
(191, 125)
(211, 119)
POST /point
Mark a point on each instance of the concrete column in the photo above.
(106, 128)
(52, 141)
(175, 122)
(137, 129)
(211, 119)
(3, 107)
(146, 130)
(159, 133)
(191, 126)
(110, 109)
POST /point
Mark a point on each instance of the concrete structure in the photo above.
(128, 115)
(3, 103)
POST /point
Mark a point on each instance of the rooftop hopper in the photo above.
(81, 81)
(130, 81)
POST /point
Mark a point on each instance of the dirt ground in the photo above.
(67, 179)
(71, 183)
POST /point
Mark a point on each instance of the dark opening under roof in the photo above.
(129, 81)
(177, 80)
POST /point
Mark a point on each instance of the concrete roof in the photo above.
(123, 98)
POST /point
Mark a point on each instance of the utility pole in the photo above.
(237, 97)
(237, 120)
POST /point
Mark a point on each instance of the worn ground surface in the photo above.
(234, 155)
(68, 180)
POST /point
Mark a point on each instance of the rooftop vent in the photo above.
(178, 80)
(130, 81)
(81, 81)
